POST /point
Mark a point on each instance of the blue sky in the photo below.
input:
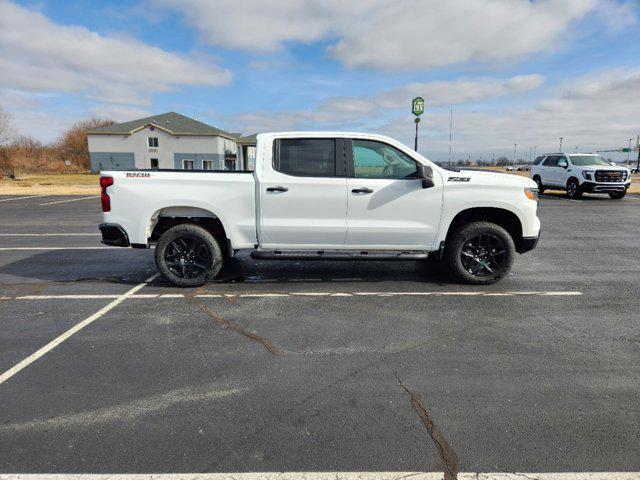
(513, 71)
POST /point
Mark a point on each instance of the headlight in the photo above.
(587, 174)
(531, 193)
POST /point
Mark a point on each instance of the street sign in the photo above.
(418, 106)
(626, 150)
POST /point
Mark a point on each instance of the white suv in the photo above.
(579, 173)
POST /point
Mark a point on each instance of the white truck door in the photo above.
(303, 195)
(387, 206)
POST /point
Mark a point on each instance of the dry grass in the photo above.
(56, 184)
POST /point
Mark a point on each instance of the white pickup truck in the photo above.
(328, 196)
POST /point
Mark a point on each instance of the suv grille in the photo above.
(609, 176)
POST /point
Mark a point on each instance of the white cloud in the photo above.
(40, 55)
(597, 111)
(349, 112)
(411, 34)
(591, 113)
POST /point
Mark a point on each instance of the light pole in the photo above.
(560, 151)
(629, 151)
(514, 153)
(417, 108)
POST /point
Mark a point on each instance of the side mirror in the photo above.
(425, 173)
(563, 164)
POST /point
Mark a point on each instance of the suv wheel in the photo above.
(573, 188)
(480, 253)
(617, 195)
(538, 180)
(188, 255)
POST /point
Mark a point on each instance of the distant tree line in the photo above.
(22, 154)
(497, 162)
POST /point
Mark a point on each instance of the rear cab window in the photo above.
(305, 157)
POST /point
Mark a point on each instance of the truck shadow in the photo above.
(244, 269)
(131, 267)
(122, 266)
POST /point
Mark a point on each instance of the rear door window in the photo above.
(552, 161)
(538, 160)
(306, 157)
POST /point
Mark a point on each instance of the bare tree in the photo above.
(6, 134)
(6, 129)
(73, 143)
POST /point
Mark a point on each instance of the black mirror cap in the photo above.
(425, 172)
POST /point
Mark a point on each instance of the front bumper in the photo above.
(527, 244)
(593, 187)
(113, 235)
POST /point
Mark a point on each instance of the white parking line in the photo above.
(292, 295)
(67, 201)
(22, 198)
(76, 328)
(49, 234)
(326, 476)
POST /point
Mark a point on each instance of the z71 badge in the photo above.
(458, 179)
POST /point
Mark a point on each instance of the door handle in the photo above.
(362, 190)
(277, 189)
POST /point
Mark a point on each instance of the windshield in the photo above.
(586, 160)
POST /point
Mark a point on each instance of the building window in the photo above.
(207, 164)
(229, 160)
(153, 142)
(187, 164)
(154, 163)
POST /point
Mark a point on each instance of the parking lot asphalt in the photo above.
(302, 367)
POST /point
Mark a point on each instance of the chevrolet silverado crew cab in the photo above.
(577, 173)
(320, 195)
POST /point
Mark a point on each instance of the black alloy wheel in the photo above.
(187, 257)
(483, 255)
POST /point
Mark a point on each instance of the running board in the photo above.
(337, 255)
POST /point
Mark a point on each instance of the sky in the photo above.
(515, 72)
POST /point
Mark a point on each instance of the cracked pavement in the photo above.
(304, 383)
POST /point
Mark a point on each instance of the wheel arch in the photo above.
(167, 217)
(500, 216)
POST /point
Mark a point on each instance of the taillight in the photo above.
(104, 196)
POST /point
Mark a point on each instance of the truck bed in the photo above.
(139, 197)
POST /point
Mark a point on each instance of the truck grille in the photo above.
(609, 176)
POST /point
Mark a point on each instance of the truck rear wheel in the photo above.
(188, 255)
(480, 253)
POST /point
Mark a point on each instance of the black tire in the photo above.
(188, 255)
(574, 190)
(472, 257)
(617, 195)
(538, 180)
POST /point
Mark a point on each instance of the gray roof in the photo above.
(249, 139)
(171, 121)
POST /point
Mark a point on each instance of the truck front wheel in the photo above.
(480, 253)
(188, 255)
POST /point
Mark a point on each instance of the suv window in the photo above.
(538, 160)
(306, 157)
(379, 160)
(552, 161)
